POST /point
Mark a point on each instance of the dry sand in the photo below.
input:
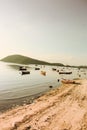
(64, 108)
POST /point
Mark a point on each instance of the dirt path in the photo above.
(62, 109)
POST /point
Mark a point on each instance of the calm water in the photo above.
(14, 85)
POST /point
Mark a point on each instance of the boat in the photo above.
(37, 68)
(43, 73)
(65, 72)
(53, 69)
(22, 68)
(25, 72)
(66, 81)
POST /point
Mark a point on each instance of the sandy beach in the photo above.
(64, 108)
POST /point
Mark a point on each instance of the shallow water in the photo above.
(14, 85)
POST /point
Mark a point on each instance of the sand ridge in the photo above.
(64, 108)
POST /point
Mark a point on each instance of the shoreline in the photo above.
(6, 105)
(62, 108)
(9, 104)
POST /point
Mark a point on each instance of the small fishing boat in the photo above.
(65, 72)
(53, 69)
(37, 68)
(57, 70)
(43, 73)
(22, 68)
(66, 81)
(25, 72)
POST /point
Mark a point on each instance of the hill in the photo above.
(57, 64)
(20, 59)
(23, 60)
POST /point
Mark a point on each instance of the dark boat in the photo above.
(37, 68)
(50, 86)
(22, 68)
(53, 69)
(25, 72)
(65, 72)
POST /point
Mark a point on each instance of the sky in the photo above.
(49, 30)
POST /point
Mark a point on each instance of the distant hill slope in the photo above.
(27, 60)
(57, 64)
(22, 60)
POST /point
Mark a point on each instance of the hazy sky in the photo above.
(51, 30)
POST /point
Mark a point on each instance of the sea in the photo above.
(15, 86)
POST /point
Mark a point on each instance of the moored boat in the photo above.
(37, 68)
(66, 81)
(54, 69)
(22, 68)
(65, 72)
(25, 72)
(43, 73)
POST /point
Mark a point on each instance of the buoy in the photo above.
(50, 86)
(58, 80)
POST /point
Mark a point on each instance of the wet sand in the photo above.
(64, 108)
